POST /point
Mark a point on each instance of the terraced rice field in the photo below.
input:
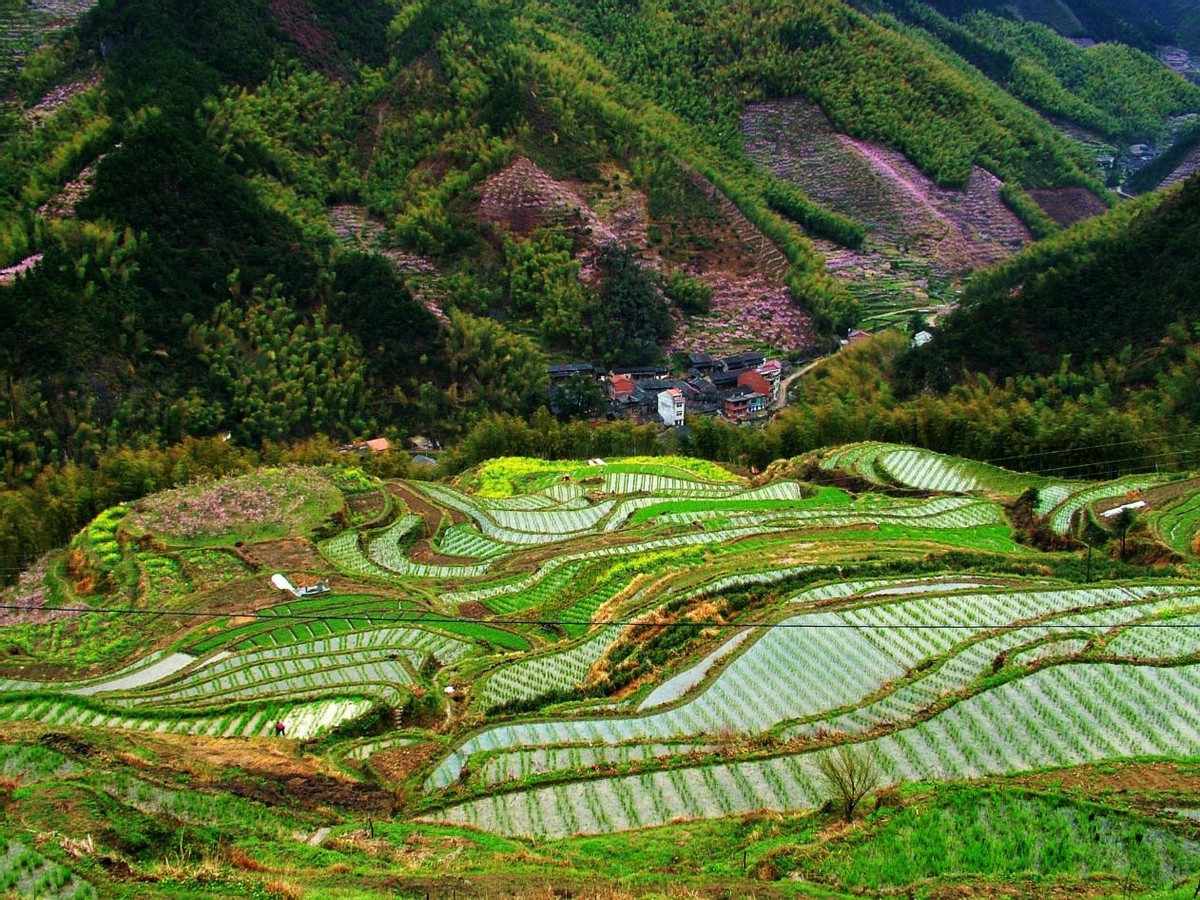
(779, 677)
(908, 467)
(24, 872)
(1065, 704)
(528, 678)
(1058, 501)
(1062, 514)
(1058, 716)
(627, 645)
(1178, 522)
(301, 720)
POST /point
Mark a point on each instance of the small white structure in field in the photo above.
(1116, 510)
(670, 406)
(280, 581)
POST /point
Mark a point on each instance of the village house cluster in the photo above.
(744, 388)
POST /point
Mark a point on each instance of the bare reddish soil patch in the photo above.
(767, 256)
(738, 261)
(523, 197)
(366, 506)
(718, 250)
(262, 769)
(250, 596)
(1023, 890)
(1186, 169)
(423, 508)
(622, 209)
(307, 791)
(698, 237)
(283, 556)
(397, 763)
(422, 550)
(518, 885)
(1120, 778)
(298, 23)
(205, 757)
(1069, 205)
(958, 229)
(265, 769)
(964, 229)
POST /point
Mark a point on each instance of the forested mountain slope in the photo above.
(1143, 24)
(1110, 89)
(288, 219)
(1128, 282)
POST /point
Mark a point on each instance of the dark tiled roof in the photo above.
(724, 379)
(654, 385)
(566, 370)
(641, 371)
(744, 393)
(744, 361)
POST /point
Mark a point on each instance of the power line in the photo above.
(434, 620)
(1084, 447)
(1143, 460)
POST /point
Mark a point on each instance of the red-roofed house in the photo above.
(756, 383)
(620, 386)
(772, 370)
(745, 405)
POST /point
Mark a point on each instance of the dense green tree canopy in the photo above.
(241, 218)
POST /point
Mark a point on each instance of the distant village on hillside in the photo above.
(744, 388)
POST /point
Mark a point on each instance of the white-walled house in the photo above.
(670, 406)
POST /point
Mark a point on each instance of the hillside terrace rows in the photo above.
(928, 665)
(1040, 714)
(1058, 716)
